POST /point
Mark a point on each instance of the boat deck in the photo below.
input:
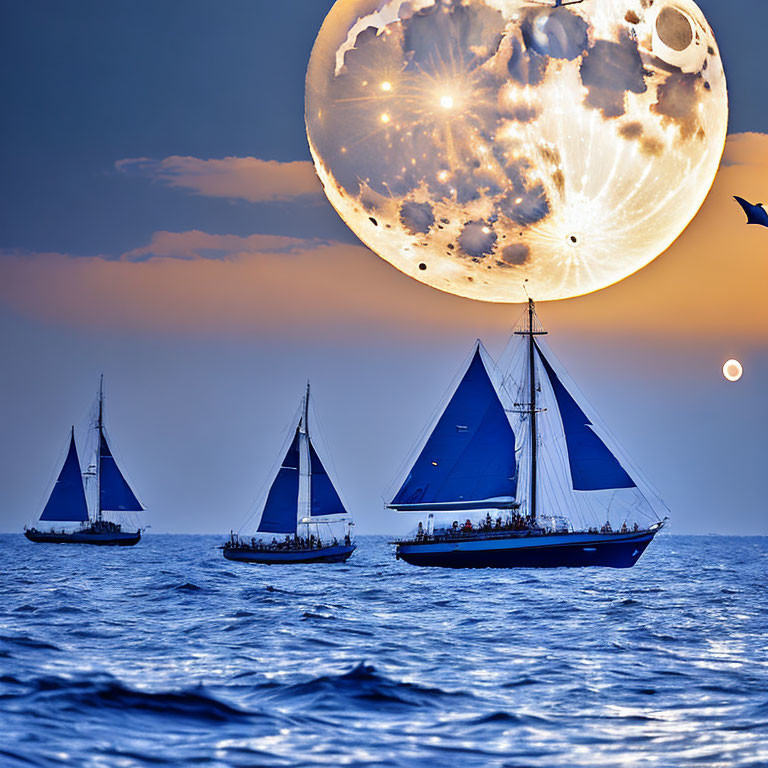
(99, 537)
(527, 549)
(333, 553)
(508, 533)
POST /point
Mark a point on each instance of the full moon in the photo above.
(733, 370)
(496, 149)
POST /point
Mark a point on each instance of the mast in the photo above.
(305, 454)
(98, 449)
(534, 431)
(531, 329)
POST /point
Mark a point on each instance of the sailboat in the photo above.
(525, 453)
(67, 503)
(301, 506)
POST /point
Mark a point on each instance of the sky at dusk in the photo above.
(161, 222)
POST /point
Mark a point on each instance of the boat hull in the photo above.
(336, 554)
(565, 550)
(102, 539)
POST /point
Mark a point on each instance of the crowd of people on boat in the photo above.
(608, 529)
(105, 526)
(515, 522)
(290, 543)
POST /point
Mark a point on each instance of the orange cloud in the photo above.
(195, 244)
(746, 149)
(710, 283)
(246, 178)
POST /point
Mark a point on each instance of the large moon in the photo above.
(499, 148)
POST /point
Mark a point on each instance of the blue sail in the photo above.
(115, 494)
(281, 508)
(67, 500)
(324, 499)
(468, 461)
(593, 466)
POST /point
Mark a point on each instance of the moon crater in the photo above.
(505, 142)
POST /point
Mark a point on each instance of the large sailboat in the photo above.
(301, 510)
(68, 506)
(522, 454)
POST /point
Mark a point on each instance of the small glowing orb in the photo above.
(733, 370)
(562, 148)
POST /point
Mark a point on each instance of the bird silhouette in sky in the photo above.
(756, 214)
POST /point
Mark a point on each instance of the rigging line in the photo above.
(644, 486)
(256, 506)
(592, 506)
(325, 454)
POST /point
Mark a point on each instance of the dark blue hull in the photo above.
(337, 554)
(102, 539)
(565, 550)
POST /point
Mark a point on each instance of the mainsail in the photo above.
(67, 500)
(468, 460)
(280, 510)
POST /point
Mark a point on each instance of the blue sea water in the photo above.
(167, 655)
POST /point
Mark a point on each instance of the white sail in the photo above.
(604, 486)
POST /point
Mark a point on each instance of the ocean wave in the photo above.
(362, 687)
(212, 664)
(24, 641)
(186, 586)
(106, 693)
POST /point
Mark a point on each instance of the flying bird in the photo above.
(756, 214)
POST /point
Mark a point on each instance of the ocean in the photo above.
(165, 654)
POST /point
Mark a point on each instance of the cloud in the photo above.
(709, 285)
(746, 149)
(195, 244)
(245, 178)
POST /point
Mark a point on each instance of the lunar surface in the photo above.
(499, 148)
